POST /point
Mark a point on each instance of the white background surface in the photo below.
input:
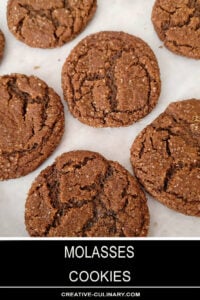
(180, 80)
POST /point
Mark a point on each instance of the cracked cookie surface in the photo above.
(177, 24)
(48, 23)
(2, 44)
(31, 124)
(84, 195)
(166, 157)
(111, 79)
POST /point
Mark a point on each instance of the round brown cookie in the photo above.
(2, 44)
(111, 79)
(83, 194)
(31, 124)
(177, 23)
(166, 157)
(48, 23)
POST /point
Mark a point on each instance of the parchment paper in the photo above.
(180, 80)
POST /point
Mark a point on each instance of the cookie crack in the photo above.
(184, 124)
(113, 118)
(181, 45)
(169, 175)
(35, 146)
(90, 222)
(75, 165)
(166, 26)
(66, 5)
(62, 210)
(168, 147)
(19, 26)
(90, 78)
(141, 152)
(168, 130)
(25, 97)
(84, 162)
(97, 200)
(148, 104)
(142, 181)
(45, 107)
(74, 203)
(167, 11)
(176, 167)
(111, 82)
(126, 203)
(32, 13)
(46, 14)
(181, 197)
(53, 185)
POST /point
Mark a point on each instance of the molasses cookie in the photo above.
(82, 194)
(47, 23)
(31, 124)
(166, 157)
(111, 79)
(177, 24)
(2, 44)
